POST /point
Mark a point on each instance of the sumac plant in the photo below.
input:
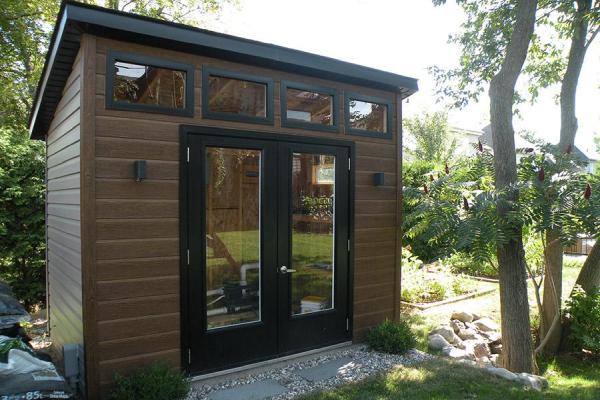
(458, 211)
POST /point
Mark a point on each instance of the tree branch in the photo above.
(591, 39)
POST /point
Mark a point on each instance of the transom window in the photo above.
(142, 83)
(237, 97)
(368, 116)
(308, 107)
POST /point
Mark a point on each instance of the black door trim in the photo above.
(184, 132)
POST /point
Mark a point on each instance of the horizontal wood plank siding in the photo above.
(63, 228)
(137, 223)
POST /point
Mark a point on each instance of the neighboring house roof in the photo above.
(75, 19)
(520, 142)
(586, 155)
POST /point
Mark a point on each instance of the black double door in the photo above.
(268, 239)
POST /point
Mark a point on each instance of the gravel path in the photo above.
(361, 364)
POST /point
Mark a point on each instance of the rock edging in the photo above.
(475, 340)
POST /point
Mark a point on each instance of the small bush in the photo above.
(462, 263)
(157, 382)
(424, 291)
(463, 285)
(391, 337)
(583, 310)
(570, 262)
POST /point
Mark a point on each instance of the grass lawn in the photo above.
(441, 379)
(570, 376)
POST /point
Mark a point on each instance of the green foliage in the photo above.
(391, 337)
(24, 29)
(463, 263)
(433, 140)
(574, 263)
(409, 260)
(157, 382)
(459, 210)
(436, 283)
(583, 310)
(463, 285)
(483, 39)
(22, 235)
(534, 253)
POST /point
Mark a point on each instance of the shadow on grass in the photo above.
(442, 379)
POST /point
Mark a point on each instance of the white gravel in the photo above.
(363, 364)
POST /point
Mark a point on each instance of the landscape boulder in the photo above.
(447, 333)
(437, 342)
(462, 316)
(535, 382)
(485, 325)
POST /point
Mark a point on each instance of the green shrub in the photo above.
(534, 253)
(583, 310)
(391, 337)
(462, 263)
(463, 285)
(22, 234)
(424, 291)
(571, 262)
(409, 260)
(157, 382)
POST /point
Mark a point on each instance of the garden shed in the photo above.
(212, 201)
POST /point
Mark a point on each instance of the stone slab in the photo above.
(324, 371)
(252, 391)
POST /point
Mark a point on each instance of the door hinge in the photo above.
(348, 245)
(189, 356)
(188, 154)
(349, 163)
(188, 256)
(347, 324)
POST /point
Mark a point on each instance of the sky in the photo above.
(404, 37)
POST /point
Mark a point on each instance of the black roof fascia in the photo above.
(75, 18)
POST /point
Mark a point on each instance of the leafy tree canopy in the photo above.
(485, 34)
(433, 140)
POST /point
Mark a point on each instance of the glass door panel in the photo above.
(233, 264)
(313, 232)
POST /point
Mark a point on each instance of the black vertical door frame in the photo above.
(234, 345)
(192, 322)
(312, 330)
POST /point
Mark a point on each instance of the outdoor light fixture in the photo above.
(378, 178)
(139, 170)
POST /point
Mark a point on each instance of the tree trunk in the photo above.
(517, 349)
(589, 276)
(552, 301)
(568, 88)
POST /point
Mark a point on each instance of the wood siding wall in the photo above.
(63, 215)
(137, 316)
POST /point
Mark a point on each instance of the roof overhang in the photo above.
(75, 19)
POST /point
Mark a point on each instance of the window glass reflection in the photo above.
(313, 231)
(233, 267)
(368, 116)
(145, 84)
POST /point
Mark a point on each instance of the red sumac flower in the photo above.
(541, 174)
(588, 192)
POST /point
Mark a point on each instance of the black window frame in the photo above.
(208, 71)
(115, 55)
(368, 133)
(294, 123)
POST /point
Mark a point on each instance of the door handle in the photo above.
(285, 270)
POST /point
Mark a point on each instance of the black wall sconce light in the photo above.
(378, 178)
(139, 170)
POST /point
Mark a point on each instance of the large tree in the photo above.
(483, 38)
(572, 19)
(25, 28)
(514, 305)
(433, 140)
